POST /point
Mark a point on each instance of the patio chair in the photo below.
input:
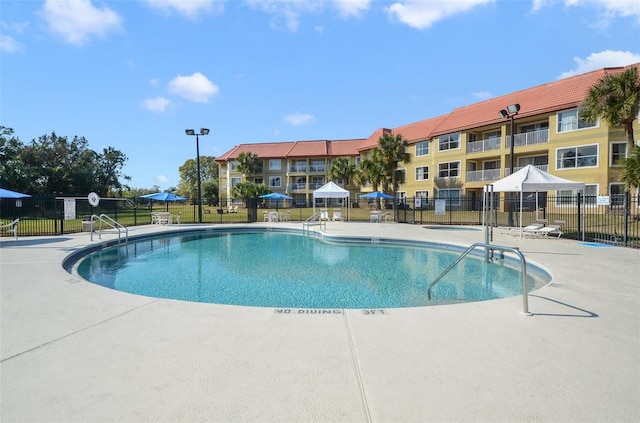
(553, 229)
(337, 215)
(265, 216)
(324, 215)
(11, 227)
(374, 216)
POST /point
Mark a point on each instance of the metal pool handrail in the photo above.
(523, 261)
(108, 220)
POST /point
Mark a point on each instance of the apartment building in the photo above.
(455, 155)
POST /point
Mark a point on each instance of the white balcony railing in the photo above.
(298, 168)
(317, 168)
(540, 136)
(484, 145)
(483, 175)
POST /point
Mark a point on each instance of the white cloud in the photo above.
(10, 45)
(191, 9)
(609, 8)
(78, 20)
(348, 8)
(196, 88)
(162, 179)
(421, 14)
(158, 104)
(603, 59)
(288, 13)
(298, 118)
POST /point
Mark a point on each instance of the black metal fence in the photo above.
(615, 223)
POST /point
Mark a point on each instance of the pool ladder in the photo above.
(491, 248)
(107, 220)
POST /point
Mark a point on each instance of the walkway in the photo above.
(72, 351)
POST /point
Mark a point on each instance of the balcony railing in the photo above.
(529, 138)
(298, 168)
(507, 171)
(483, 175)
(298, 186)
(484, 145)
(317, 168)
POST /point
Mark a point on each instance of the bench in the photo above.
(11, 227)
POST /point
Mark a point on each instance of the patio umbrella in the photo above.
(276, 196)
(377, 194)
(5, 193)
(163, 196)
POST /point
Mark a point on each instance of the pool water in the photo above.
(274, 269)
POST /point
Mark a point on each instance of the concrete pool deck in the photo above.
(72, 351)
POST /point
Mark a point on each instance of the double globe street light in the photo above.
(203, 131)
(511, 111)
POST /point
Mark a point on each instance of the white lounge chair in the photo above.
(553, 229)
(324, 215)
(11, 227)
(337, 215)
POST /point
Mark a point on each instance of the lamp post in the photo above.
(511, 111)
(203, 131)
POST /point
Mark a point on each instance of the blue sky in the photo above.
(134, 75)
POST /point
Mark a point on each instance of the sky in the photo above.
(134, 74)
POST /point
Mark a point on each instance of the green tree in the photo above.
(248, 164)
(248, 190)
(55, 163)
(369, 172)
(630, 173)
(342, 169)
(616, 99)
(188, 185)
(391, 150)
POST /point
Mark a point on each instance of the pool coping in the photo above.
(74, 351)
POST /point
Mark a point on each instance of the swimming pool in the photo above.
(288, 270)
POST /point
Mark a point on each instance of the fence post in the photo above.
(580, 228)
(627, 211)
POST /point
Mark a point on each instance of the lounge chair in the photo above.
(374, 216)
(11, 227)
(553, 229)
(324, 215)
(337, 215)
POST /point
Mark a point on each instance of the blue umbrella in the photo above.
(5, 193)
(376, 194)
(163, 196)
(276, 196)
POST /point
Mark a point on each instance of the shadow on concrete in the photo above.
(585, 313)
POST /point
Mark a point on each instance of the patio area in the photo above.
(73, 351)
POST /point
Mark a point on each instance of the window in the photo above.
(492, 135)
(235, 181)
(618, 153)
(343, 182)
(258, 181)
(533, 160)
(401, 176)
(275, 181)
(233, 165)
(423, 196)
(569, 121)
(422, 148)
(275, 164)
(525, 129)
(617, 194)
(422, 173)
(448, 170)
(449, 142)
(573, 157)
(570, 197)
(451, 195)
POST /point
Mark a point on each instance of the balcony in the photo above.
(298, 186)
(540, 136)
(317, 168)
(299, 168)
(484, 145)
(483, 175)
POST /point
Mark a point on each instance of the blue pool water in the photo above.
(274, 269)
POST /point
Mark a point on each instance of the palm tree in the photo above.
(343, 169)
(391, 150)
(248, 164)
(615, 98)
(369, 171)
(630, 173)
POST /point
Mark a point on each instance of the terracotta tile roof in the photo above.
(293, 149)
(553, 96)
(420, 131)
(546, 98)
